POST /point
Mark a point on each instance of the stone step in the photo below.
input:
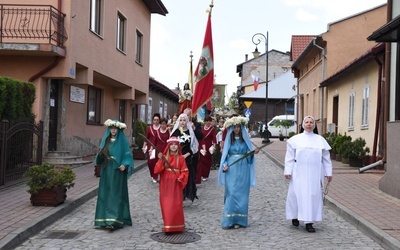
(57, 153)
(70, 160)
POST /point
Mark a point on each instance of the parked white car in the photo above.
(275, 130)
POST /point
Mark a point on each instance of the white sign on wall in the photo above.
(77, 94)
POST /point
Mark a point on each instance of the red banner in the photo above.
(204, 74)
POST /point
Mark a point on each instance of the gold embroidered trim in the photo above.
(178, 226)
(233, 215)
(113, 220)
(177, 170)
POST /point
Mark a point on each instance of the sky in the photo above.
(234, 22)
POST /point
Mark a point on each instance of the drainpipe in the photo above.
(378, 110)
(45, 70)
(56, 60)
(322, 88)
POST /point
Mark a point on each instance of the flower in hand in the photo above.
(225, 169)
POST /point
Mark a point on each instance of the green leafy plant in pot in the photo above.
(48, 184)
(139, 127)
(359, 151)
(282, 124)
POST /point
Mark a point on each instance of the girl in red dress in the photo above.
(173, 180)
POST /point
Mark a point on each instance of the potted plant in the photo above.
(337, 144)
(346, 151)
(48, 184)
(330, 139)
(139, 127)
(282, 124)
(359, 151)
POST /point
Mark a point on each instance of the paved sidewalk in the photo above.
(20, 220)
(354, 196)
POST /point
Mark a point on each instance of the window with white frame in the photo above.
(121, 32)
(139, 45)
(96, 17)
(365, 107)
(150, 111)
(165, 110)
(352, 97)
(161, 108)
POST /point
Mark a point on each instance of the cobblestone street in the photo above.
(267, 229)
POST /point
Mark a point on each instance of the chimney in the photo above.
(246, 57)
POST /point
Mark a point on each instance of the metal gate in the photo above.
(21, 145)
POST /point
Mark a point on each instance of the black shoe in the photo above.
(295, 222)
(310, 228)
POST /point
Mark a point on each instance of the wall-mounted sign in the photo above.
(77, 94)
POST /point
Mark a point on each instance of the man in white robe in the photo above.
(307, 162)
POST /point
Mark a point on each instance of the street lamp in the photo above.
(257, 39)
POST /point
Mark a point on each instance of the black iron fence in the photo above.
(32, 22)
(20, 147)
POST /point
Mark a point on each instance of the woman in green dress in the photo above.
(115, 157)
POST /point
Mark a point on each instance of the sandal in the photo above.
(310, 228)
(295, 222)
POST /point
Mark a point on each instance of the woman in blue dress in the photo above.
(238, 177)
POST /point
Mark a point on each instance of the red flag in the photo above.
(256, 81)
(204, 74)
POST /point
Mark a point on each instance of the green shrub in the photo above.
(358, 148)
(354, 149)
(139, 127)
(338, 143)
(330, 138)
(47, 176)
(16, 99)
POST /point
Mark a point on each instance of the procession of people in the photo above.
(180, 155)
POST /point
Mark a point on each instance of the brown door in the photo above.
(335, 116)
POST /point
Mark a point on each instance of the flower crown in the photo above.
(113, 123)
(234, 121)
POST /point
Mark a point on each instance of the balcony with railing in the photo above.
(31, 29)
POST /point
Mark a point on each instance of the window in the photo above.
(165, 110)
(139, 45)
(96, 9)
(122, 105)
(365, 107)
(121, 32)
(161, 108)
(351, 109)
(94, 105)
(150, 111)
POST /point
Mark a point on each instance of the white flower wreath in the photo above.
(117, 124)
(235, 120)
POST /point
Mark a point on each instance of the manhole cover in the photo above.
(178, 238)
(63, 235)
